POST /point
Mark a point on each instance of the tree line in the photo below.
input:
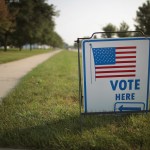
(142, 24)
(28, 22)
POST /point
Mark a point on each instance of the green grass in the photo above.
(42, 112)
(12, 55)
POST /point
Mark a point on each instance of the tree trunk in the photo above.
(20, 48)
(30, 47)
(5, 41)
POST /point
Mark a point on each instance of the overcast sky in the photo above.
(79, 18)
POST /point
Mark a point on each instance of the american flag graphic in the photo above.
(112, 62)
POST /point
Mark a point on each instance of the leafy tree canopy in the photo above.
(33, 20)
(109, 28)
(124, 27)
(6, 19)
(143, 18)
(7, 22)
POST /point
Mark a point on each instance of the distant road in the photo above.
(11, 73)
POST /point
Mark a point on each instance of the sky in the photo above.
(80, 18)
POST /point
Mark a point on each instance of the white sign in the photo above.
(115, 74)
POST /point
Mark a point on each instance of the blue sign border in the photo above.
(105, 40)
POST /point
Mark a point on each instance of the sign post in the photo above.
(115, 75)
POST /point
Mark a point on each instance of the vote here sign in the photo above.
(115, 74)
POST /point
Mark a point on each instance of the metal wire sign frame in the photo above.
(115, 74)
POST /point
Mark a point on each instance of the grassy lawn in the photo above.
(12, 55)
(42, 112)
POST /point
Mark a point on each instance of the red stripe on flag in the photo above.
(129, 52)
(128, 47)
(115, 76)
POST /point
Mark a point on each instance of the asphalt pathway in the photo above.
(11, 73)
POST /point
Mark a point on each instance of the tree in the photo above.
(143, 18)
(7, 22)
(56, 40)
(35, 23)
(95, 37)
(75, 45)
(28, 22)
(124, 27)
(109, 28)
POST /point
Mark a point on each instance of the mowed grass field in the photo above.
(42, 112)
(13, 54)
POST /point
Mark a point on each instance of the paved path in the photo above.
(11, 73)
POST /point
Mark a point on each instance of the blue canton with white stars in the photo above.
(104, 56)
